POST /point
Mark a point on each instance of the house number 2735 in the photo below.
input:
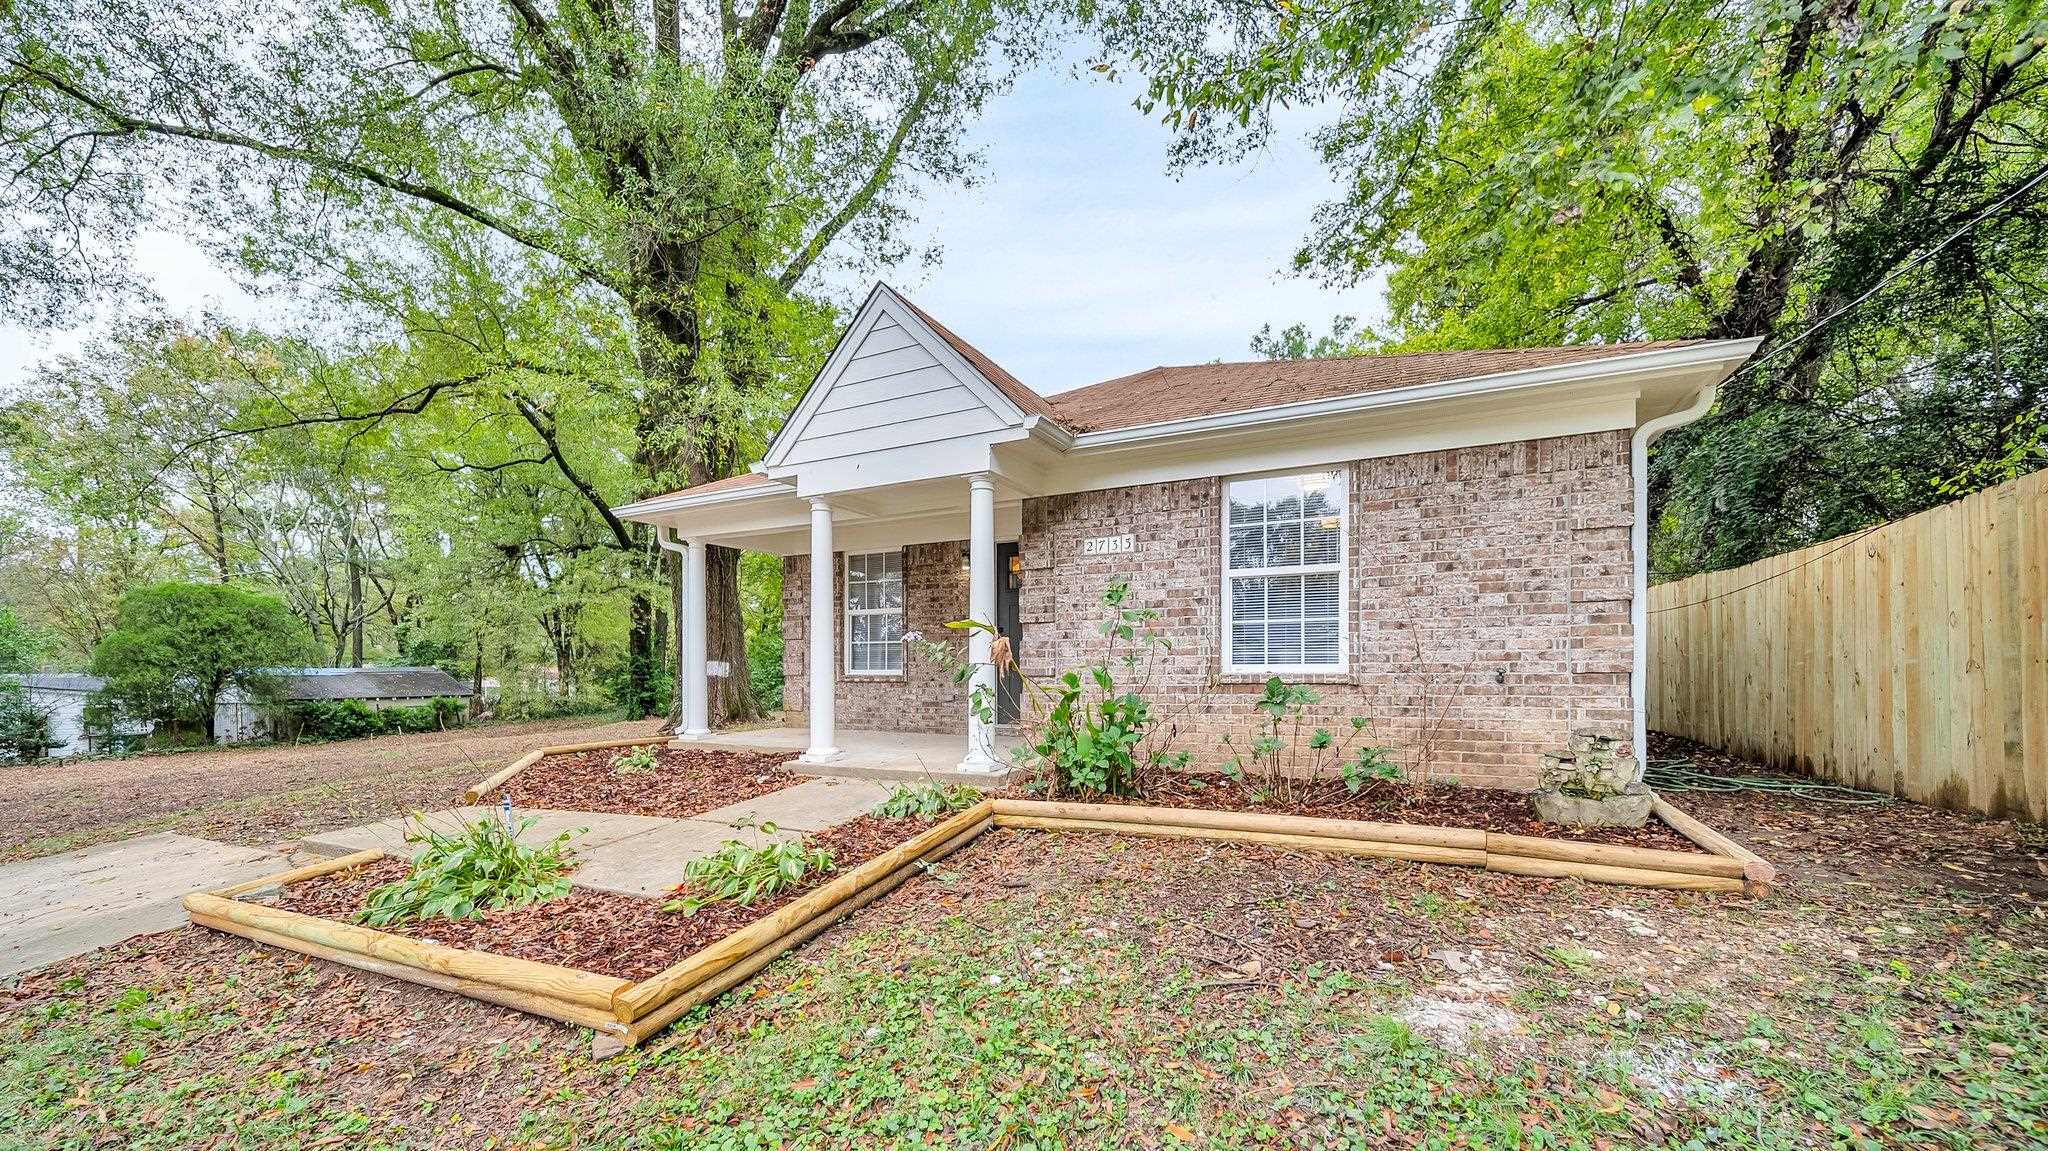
(1108, 545)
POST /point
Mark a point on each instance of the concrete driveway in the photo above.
(63, 905)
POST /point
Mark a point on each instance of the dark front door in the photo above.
(1010, 684)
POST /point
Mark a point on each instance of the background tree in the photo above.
(1542, 172)
(676, 170)
(178, 647)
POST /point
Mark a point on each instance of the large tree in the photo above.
(676, 169)
(1546, 171)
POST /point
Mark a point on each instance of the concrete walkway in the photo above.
(888, 756)
(65, 905)
(637, 854)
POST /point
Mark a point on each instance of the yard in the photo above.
(1086, 990)
(260, 795)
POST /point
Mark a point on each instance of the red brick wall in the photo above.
(924, 698)
(1489, 602)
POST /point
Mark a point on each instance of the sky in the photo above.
(1077, 259)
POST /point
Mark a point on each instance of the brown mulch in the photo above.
(616, 935)
(683, 783)
(1477, 808)
(1882, 844)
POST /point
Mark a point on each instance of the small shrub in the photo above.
(1369, 765)
(634, 761)
(741, 873)
(461, 876)
(1093, 729)
(927, 801)
(1278, 754)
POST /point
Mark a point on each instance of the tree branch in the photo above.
(426, 193)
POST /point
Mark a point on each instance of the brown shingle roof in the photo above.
(1030, 402)
(1158, 395)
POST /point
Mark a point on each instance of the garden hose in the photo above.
(1680, 775)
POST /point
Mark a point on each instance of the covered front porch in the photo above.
(884, 756)
(868, 574)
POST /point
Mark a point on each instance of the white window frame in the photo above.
(1341, 479)
(847, 612)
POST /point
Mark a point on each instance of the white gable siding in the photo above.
(892, 393)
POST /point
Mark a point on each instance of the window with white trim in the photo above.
(1283, 573)
(874, 613)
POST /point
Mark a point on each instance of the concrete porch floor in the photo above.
(891, 756)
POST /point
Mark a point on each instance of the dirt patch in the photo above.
(1483, 809)
(261, 795)
(598, 931)
(1868, 843)
(682, 783)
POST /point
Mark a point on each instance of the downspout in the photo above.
(1639, 547)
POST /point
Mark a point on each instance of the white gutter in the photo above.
(1639, 546)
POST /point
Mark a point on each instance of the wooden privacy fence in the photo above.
(1911, 658)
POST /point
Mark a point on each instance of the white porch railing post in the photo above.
(822, 748)
(696, 644)
(981, 608)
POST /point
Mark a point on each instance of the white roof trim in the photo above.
(686, 498)
(1661, 359)
(884, 302)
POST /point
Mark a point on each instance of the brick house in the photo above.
(1448, 545)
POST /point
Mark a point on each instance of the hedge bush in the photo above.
(354, 719)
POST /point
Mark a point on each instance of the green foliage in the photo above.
(1570, 172)
(761, 608)
(1092, 728)
(927, 801)
(24, 727)
(1369, 765)
(741, 873)
(177, 647)
(21, 649)
(484, 868)
(355, 719)
(634, 761)
(1278, 754)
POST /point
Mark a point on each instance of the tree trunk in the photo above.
(355, 604)
(476, 681)
(640, 657)
(725, 632)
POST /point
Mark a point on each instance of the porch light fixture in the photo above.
(1016, 572)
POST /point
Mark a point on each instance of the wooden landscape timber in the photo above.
(1726, 866)
(620, 1008)
(504, 774)
(631, 1012)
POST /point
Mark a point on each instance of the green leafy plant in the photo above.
(741, 873)
(926, 801)
(635, 761)
(486, 867)
(1282, 751)
(1369, 765)
(1093, 728)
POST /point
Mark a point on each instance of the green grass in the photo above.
(1059, 1019)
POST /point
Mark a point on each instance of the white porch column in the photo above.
(822, 749)
(696, 645)
(981, 608)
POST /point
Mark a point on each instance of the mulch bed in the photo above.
(598, 931)
(683, 783)
(1477, 808)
